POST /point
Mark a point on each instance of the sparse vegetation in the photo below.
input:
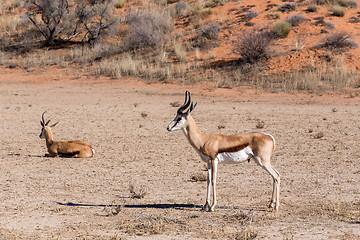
(281, 29)
(137, 193)
(337, 40)
(180, 52)
(287, 7)
(353, 3)
(329, 24)
(119, 3)
(145, 45)
(312, 7)
(198, 177)
(338, 11)
(148, 28)
(182, 8)
(212, 31)
(348, 211)
(296, 19)
(143, 227)
(253, 46)
(214, 3)
(60, 21)
(199, 12)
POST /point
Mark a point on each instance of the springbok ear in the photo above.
(191, 108)
(54, 124)
(41, 123)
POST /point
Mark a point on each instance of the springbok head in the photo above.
(182, 115)
(45, 125)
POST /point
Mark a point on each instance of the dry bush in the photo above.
(281, 29)
(62, 20)
(299, 42)
(119, 3)
(329, 24)
(214, 3)
(199, 12)
(211, 31)
(311, 7)
(180, 53)
(253, 46)
(97, 21)
(296, 19)
(287, 7)
(251, 14)
(353, 3)
(181, 8)
(338, 11)
(148, 28)
(337, 40)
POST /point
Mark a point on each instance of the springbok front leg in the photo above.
(206, 206)
(214, 164)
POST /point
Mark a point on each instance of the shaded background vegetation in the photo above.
(178, 41)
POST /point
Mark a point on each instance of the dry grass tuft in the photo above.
(137, 193)
(175, 104)
(281, 29)
(198, 177)
(338, 11)
(143, 227)
(342, 210)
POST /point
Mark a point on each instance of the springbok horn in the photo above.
(43, 117)
(186, 103)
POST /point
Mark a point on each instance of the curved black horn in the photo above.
(43, 121)
(186, 103)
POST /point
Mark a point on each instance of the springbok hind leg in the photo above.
(274, 203)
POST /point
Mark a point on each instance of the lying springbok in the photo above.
(219, 148)
(77, 149)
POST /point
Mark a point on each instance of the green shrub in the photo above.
(281, 29)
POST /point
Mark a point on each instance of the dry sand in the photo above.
(317, 154)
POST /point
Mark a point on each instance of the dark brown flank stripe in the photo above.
(233, 149)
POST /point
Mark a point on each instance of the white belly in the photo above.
(235, 157)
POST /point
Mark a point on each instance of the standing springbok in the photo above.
(78, 149)
(219, 148)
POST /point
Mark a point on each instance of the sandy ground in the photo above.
(317, 154)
